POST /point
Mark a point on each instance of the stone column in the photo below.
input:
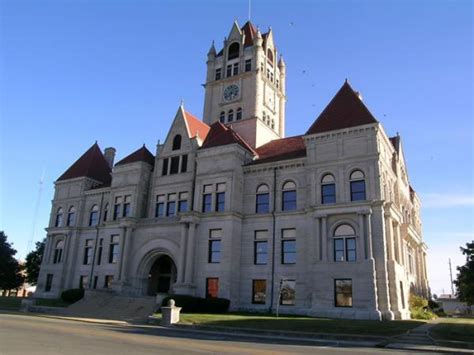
(317, 244)
(125, 254)
(188, 276)
(362, 244)
(122, 250)
(389, 239)
(182, 253)
(324, 236)
(401, 255)
(47, 250)
(369, 237)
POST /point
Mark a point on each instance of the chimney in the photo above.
(109, 154)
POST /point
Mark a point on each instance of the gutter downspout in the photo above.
(273, 241)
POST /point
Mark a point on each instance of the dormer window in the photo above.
(234, 51)
(177, 142)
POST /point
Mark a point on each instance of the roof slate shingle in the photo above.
(345, 110)
(142, 154)
(220, 135)
(195, 126)
(91, 164)
(281, 149)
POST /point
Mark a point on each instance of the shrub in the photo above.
(73, 295)
(419, 308)
(191, 304)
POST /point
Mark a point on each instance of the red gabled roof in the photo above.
(220, 135)
(345, 110)
(91, 164)
(142, 154)
(281, 149)
(195, 126)
(250, 32)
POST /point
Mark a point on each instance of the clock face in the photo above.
(231, 92)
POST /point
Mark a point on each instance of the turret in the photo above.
(211, 55)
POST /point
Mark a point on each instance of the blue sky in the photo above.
(75, 71)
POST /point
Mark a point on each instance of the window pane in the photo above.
(289, 200)
(358, 190)
(183, 206)
(165, 167)
(263, 205)
(343, 291)
(214, 251)
(261, 252)
(259, 290)
(171, 209)
(220, 201)
(160, 209)
(212, 287)
(328, 193)
(184, 163)
(207, 203)
(287, 292)
(174, 165)
(289, 252)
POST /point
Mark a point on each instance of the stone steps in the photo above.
(107, 305)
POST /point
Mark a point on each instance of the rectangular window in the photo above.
(220, 201)
(343, 292)
(207, 203)
(328, 193)
(350, 249)
(259, 291)
(212, 287)
(117, 205)
(261, 252)
(339, 249)
(113, 249)
(263, 203)
(288, 246)
(229, 71)
(99, 253)
(236, 69)
(160, 206)
(344, 249)
(287, 292)
(184, 163)
(174, 169)
(248, 65)
(165, 167)
(171, 209)
(218, 74)
(83, 281)
(358, 190)
(108, 281)
(96, 280)
(183, 202)
(87, 252)
(278, 83)
(289, 200)
(215, 236)
(126, 205)
(49, 282)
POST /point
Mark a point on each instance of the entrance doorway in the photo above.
(162, 275)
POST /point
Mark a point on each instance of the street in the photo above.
(31, 334)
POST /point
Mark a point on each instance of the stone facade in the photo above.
(323, 224)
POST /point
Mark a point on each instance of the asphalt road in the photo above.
(29, 334)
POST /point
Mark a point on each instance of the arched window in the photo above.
(328, 189)
(238, 116)
(59, 218)
(270, 56)
(262, 204)
(357, 186)
(288, 196)
(94, 216)
(106, 212)
(230, 116)
(58, 252)
(222, 117)
(234, 51)
(344, 243)
(177, 142)
(71, 216)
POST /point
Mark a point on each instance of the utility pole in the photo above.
(451, 277)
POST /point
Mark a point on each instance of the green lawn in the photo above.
(458, 329)
(10, 302)
(300, 324)
(49, 302)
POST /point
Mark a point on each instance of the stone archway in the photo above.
(162, 275)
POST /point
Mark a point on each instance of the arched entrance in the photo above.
(162, 275)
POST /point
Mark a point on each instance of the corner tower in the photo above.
(245, 85)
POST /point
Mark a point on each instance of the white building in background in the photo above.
(229, 207)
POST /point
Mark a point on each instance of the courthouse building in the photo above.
(325, 223)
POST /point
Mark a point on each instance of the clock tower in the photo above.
(245, 85)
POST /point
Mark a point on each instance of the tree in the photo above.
(33, 263)
(10, 270)
(465, 279)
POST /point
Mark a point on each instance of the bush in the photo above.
(73, 295)
(419, 308)
(191, 304)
